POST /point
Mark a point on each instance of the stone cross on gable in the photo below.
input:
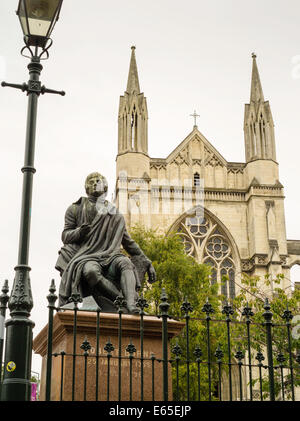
(195, 115)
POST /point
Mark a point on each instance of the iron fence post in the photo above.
(219, 355)
(227, 309)
(164, 307)
(109, 348)
(119, 303)
(142, 304)
(287, 316)
(268, 323)
(62, 374)
(75, 299)
(239, 356)
(281, 359)
(131, 349)
(153, 374)
(260, 358)
(247, 312)
(198, 355)
(177, 351)
(97, 352)
(187, 308)
(52, 297)
(3, 307)
(208, 310)
(86, 346)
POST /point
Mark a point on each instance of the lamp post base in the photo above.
(16, 385)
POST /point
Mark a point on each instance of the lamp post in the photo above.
(37, 18)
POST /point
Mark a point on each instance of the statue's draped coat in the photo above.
(102, 244)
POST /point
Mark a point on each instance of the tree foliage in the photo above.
(186, 280)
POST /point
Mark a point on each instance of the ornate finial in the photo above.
(86, 346)
(4, 297)
(198, 353)
(280, 358)
(120, 303)
(259, 357)
(239, 355)
(142, 304)
(227, 310)
(208, 309)
(52, 297)
(247, 311)
(287, 314)
(131, 348)
(186, 307)
(109, 348)
(268, 313)
(219, 354)
(177, 351)
(254, 55)
(75, 298)
(164, 305)
(5, 288)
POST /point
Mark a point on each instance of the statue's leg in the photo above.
(98, 284)
(128, 282)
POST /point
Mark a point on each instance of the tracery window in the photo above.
(196, 179)
(205, 241)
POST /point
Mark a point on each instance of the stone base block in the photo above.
(109, 369)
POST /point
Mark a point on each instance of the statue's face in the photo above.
(96, 186)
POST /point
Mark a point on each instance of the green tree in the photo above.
(284, 304)
(186, 280)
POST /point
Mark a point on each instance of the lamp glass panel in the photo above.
(40, 16)
(22, 17)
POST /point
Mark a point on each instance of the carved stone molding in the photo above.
(197, 161)
(248, 265)
(214, 161)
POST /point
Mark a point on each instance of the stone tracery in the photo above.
(205, 241)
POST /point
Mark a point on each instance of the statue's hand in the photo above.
(151, 274)
(84, 229)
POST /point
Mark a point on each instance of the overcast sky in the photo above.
(192, 55)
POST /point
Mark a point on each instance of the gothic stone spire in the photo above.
(256, 88)
(133, 114)
(258, 122)
(133, 78)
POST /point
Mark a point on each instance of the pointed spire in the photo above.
(133, 115)
(133, 78)
(256, 88)
(258, 122)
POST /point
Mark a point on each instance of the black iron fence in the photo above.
(85, 360)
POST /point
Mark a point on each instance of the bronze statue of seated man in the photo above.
(91, 261)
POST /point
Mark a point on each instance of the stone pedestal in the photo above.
(86, 329)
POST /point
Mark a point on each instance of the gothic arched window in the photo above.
(204, 240)
(134, 128)
(196, 180)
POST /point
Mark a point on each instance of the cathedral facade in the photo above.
(229, 215)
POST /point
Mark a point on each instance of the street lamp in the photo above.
(37, 18)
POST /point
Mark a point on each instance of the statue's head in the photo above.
(96, 185)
